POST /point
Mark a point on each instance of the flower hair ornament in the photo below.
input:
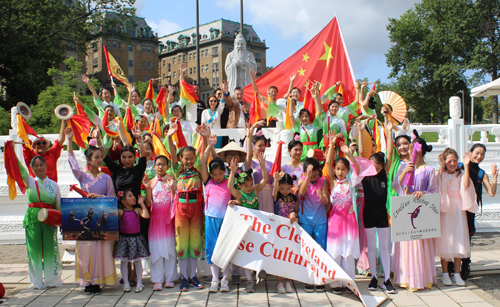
(241, 177)
(119, 195)
(282, 174)
(93, 142)
(297, 138)
(259, 133)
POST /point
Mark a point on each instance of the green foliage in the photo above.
(431, 45)
(4, 121)
(36, 34)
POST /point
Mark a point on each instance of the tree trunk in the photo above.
(440, 105)
(495, 101)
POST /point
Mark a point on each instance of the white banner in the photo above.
(415, 219)
(259, 240)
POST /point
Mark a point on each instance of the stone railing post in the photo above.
(456, 127)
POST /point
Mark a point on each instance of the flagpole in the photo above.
(241, 17)
(198, 43)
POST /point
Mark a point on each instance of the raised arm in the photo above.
(86, 80)
(171, 131)
(362, 91)
(466, 160)
(139, 140)
(317, 99)
(276, 185)
(290, 86)
(147, 184)
(142, 211)
(122, 133)
(491, 188)
(69, 136)
(182, 70)
(265, 174)
(253, 75)
(230, 184)
(329, 160)
(62, 136)
(226, 96)
(356, 85)
(345, 150)
(305, 184)
(249, 132)
(365, 102)
(204, 159)
(390, 146)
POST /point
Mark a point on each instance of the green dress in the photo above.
(308, 135)
(249, 200)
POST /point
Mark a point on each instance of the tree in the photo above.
(431, 45)
(486, 55)
(36, 34)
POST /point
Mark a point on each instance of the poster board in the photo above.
(415, 219)
(91, 219)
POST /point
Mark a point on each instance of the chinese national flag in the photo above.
(324, 59)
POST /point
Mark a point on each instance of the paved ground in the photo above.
(483, 288)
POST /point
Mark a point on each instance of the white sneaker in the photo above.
(459, 281)
(250, 287)
(445, 279)
(280, 288)
(224, 285)
(214, 286)
(288, 287)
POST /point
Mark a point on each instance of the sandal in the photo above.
(126, 288)
(139, 288)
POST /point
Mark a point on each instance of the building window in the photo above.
(143, 79)
(190, 56)
(194, 56)
(174, 61)
(163, 63)
(130, 63)
(194, 70)
(95, 63)
(190, 70)
(215, 67)
(115, 45)
(150, 66)
(215, 52)
(257, 57)
(184, 58)
(147, 34)
(206, 52)
(109, 44)
(203, 53)
(203, 82)
(168, 67)
(131, 79)
(164, 76)
(143, 49)
(149, 49)
(175, 75)
(180, 58)
(259, 71)
(130, 48)
(143, 65)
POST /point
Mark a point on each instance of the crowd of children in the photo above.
(173, 197)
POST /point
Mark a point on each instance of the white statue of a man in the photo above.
(238, 65)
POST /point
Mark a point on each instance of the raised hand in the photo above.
(140, 200)
(276, 177)
(494, 170)
(344, 148)
(372, 93)
(364, 84)
(292, 77)
(212, 140)
(204, 131)
(131, 88)
(224, 87)
(182, 68)
(147, 182)
(113, 85)
(69, 133)
(259, 123)
(356, 84)
(390, 125)
(441, 161)
(253, 74)
(466, 158)
(136, 132)
(234, 164)
(309, 170)
(232, 203)
(333, 138)
(384, 111)
(262, 160)
(172, 129)
(85, 79)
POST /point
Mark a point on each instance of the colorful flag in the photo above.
(23, 129)
(159, 147)
(288, 113)
(254, 109)
(81, 129)
(111, 133)
(277, 160)
(187, 93)
(114, 69)
(324, 59)
(309, 103)
(178, 137)
(15, 171)
(155, 127)
(374, 86)
(128, 120)
(150, 92)
(160, 101)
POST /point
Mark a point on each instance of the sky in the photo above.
(287, 25)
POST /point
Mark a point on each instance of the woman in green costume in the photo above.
(41, 239)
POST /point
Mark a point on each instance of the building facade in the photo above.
(137, 55)
(216, 41)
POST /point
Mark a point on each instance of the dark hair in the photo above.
(109, 106)
(177, 106)
(216, 163)
(147, 100)
(208, 101)
(150, 145)
(217, 89)
(287, 179)
(294, 143)
(160, 157)
(273, 87)
(404, 136)
(129, 148)
(120, 195)
(332, 102)
(147, 134)
(89, 152)
(186, 149)
(448, 152)
(379, 157)
(312, 161)
(295, 88)
(425, 148)
(478, 145)
(196, 84)
(246, 175)
(257, 138)
(136, 91)
(343, 161)
(304, 111)
(238, 88)
(102, 89)
(167, 126)
(39, 158)
(372, 102)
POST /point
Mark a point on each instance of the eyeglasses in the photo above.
(40, 143)
(161, 165)
(233, 154)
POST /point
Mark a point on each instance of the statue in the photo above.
(238, 65)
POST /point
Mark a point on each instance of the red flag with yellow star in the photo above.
(324, 58)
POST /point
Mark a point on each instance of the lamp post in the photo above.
(198, 43)
(463, 104)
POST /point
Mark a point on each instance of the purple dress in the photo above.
(290, 170)
(414, 263)
(94, 262)
(265, 196)
(131, 245)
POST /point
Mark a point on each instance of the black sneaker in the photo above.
(236, 280)
(88, 290)
(184, 285)
(96, 289)
(348, 291)
(451, 268)
(309, 288)
(373, 286)
(194, 282)
(320, 288)
(465, 273)
(389, 288)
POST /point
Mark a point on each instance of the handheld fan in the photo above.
(395, 104)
